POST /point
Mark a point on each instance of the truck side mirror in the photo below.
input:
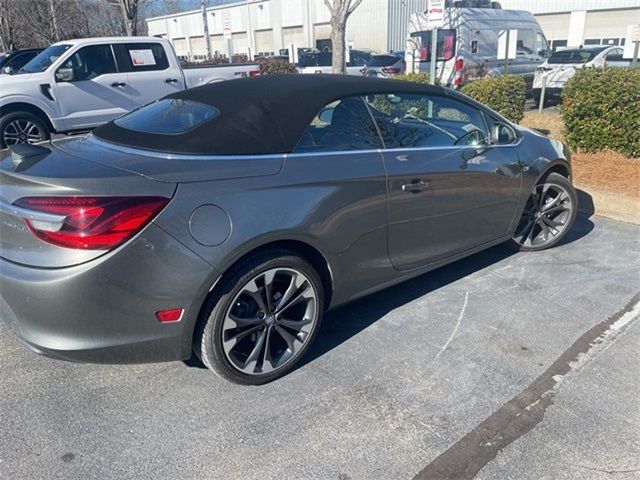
(65, 74)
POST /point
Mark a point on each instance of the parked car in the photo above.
(320, 62)
(80, 84)
(11, 62)
(386, 65)
(228, 218)
(467, 44)
(556, 71)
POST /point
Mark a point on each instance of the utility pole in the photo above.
(205, 25)
(54, 20)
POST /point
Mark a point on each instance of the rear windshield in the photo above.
(382, 61)
(44, 59)
(169, 116)
(445, 47)
(574, 56)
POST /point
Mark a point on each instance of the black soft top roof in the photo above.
(258, 115)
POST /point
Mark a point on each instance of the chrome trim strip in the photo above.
(172, 156)
(30, 214)
(175, 156)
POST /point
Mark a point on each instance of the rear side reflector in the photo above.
(92, 223)
(172, 315)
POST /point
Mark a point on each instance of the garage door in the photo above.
(218, 45)
(322, 32)
(198, 47)
(239, 43)
(293, 35)
(180, 44)
(264, 42)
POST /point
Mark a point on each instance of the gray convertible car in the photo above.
(228, 218)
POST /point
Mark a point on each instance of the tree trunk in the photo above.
(338, 64)
(340, 11)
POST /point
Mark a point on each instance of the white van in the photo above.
(467, 47)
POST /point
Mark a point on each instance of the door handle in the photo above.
(415, 186)
(118, 84)
(171, 80)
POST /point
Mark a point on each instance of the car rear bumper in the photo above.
(103, 311)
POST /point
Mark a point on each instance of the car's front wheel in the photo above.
(22, 127)
(262, 318)
(547, 216)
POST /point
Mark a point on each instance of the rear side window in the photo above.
(574, 56)
(417, 120)
(170, 116)
(342, 125)
(142, 57)
(445, 47)
(382, 61)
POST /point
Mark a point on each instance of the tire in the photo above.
(550, 212)
(232, 302)
(15, 124)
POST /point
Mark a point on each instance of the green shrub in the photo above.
(414, 77)
(276, 66)
(506, 95)
(601, 110)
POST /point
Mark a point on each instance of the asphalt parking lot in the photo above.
(508, 366)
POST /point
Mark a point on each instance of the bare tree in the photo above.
(340, 11)
(129, 9)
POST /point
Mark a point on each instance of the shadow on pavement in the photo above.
(341, 324)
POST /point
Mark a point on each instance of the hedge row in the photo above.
(276, 66)
(601, 110)
(506, 95)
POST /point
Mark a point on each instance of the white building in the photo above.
(581, 22)
(266, 26)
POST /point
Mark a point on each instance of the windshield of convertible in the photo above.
(400, 120)
(170, 116)
(44, 59)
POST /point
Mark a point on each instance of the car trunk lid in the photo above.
(171, 168)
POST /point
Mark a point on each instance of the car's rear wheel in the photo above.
(547, 216)
(262, 318)
(22, 127)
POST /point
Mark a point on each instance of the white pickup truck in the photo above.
(80, 84)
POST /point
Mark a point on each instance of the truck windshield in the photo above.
(44, 59)
(445, 46)
(574, 56)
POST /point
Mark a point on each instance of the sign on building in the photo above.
(226, 30)
(435, 13)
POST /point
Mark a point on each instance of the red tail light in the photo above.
(92, 223)
(458, 77)
(254, 73)
(393, 70)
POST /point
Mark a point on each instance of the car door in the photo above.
(89, 89)
(449, 189)
(150, 73)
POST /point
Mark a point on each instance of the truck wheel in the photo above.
(22, 127)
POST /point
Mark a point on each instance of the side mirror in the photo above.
(8, 70)
(502, 134)
(65, 74)
(326, 115)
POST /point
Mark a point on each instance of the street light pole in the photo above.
(205, 24)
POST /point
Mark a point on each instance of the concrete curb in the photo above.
(609, 204)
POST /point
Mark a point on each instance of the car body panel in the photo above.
(348, 206)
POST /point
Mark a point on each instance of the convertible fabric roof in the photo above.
(258, 115)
